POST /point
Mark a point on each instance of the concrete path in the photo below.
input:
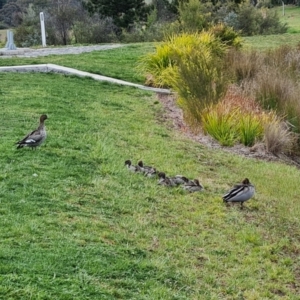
(70, 71)
(65, 70)
(29, 52)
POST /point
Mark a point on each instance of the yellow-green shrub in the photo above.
(175, 48)
(192, 65)
(154, 64)
(226, 34)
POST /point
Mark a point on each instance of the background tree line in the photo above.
(100, 21)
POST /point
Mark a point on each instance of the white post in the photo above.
(43, 29)
(283, 8)
(10, 45)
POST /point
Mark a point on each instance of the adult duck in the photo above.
(240, 192)
(36, 137)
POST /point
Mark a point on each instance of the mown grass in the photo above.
(263, 42)
(118, 63)
(291, 16)
(75, 224)
(292, 37)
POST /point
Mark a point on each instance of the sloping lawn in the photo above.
(75, 224)
(291, 16)
(118, 63)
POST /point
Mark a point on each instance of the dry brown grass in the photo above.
(278, 138)
(3, 35)
(243, 65)
(236, 98)
(271, 78)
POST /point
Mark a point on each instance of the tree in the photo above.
(166, 11)
(60, 18)
(2, 2)
(11, 14)
(124, 12)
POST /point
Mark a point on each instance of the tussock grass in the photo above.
(271, 78)
(250, 128)
(237, 118)
(221, 124)
(278, 138)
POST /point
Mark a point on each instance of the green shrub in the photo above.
(253, 21)
(3, 25)
(94, 30)
(192, 65)
(226, 34)
(192, 16)
(155, 64)
(28, 33)
(199, 82)
(177, 47)
(198, 77)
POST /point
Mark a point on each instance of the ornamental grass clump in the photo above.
(155, 65)
(278, 138)
(250, 128)
(193, 66)
(237, 119)
(198, 77)
(220, 123)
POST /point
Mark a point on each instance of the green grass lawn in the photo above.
(75, 224)
(118, 63)
(264, 42)
(291, 16)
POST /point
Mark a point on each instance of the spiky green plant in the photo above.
(154, 65)
(221, 125)
(250, 127)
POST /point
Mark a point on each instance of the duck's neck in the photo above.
(42, 125)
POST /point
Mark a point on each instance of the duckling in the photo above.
(131, 167)
(179, 179)
(151, 173)
(240, 192)
(145, 169)
(164, 180)
(36, 137)
(193, 186)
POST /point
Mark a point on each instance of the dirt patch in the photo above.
(173, 113)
